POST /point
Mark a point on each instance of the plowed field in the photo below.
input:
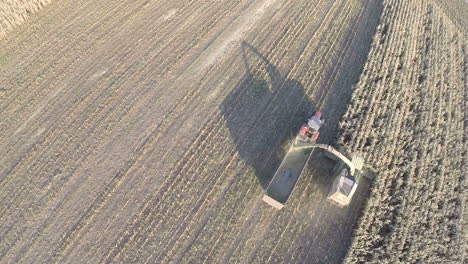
(144, 131)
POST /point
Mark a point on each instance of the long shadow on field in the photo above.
(263, 111)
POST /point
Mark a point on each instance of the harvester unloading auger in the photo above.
(347, 172)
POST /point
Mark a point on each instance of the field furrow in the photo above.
(146, 131)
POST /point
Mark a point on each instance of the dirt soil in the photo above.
(146, 131)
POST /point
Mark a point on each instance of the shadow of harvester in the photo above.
(262, 112)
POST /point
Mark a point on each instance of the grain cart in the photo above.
(347, 172)
(293, 164)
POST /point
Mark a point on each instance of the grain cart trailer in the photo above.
(293, 164)
(286, 176)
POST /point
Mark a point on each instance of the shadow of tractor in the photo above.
(263, 112)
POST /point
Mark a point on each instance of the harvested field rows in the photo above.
(144, 131)
(408, 116)
(15, 12)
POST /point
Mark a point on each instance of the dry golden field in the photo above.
(145, 131)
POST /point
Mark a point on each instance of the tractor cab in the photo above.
(309, 131)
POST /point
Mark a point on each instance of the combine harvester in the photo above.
(347, 172)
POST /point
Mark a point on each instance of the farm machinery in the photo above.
(347, 172)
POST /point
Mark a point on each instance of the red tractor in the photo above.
(309, 131)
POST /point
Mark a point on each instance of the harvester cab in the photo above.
(345, 180)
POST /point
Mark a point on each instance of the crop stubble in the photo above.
(115, 136)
